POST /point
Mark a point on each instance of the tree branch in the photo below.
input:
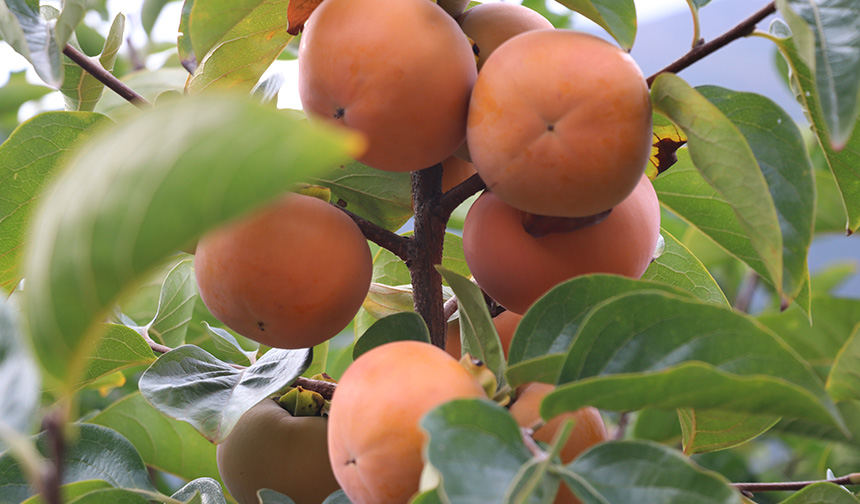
(743, 29)
(460, 193)
(398, 245)
(851, 479)
(105, 77)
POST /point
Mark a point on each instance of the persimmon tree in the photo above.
(118, 382)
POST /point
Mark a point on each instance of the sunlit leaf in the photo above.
(80, 89)
(618, 17)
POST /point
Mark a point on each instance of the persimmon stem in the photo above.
(105, 77)
(850, 479)
(425, 250)
(743, 29)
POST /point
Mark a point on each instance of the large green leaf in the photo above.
(96, 453)
(781, 154)
(707, 431)
(118, 347)
(163, 443)
(478, 449)
(654, 349)
(240, 55)
(382, 197)
(722, 155)
(80, 89)
(623, 472)
(477, 332)
(19, 375)
(547, 330)
(677, 266)
(822, 493)
(843, 382)
(190, 384)
(143, 191)
(618, 17)
(834, 26)
(798, 49)
(175, 306)
(29, 159)
(72, 14)
(405, 326)
(32, 36)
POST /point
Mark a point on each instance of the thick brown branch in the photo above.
(743, 29)
(851, 479)
(398, 245)
(460, 193)
(105, 77)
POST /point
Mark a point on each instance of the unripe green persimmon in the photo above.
(269, 448)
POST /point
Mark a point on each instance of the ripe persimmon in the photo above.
(270, 448)
(490, 24)
(402, 75)
(560, 123)
(515, 268)
(290, 276)
(375, 441)
(588, 429)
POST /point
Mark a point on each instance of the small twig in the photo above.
(398, 245)
(623, 422)
(743, 29)
(53, 426)
(105, 77)
(324, 388)
(460, 193)
(528, 440)
(851, 479)
(746, 292)
(450, 307)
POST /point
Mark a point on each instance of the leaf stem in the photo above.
(850, 479)
(105, 77)
(744, 28)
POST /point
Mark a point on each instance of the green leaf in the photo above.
(619, 472)
(477, 332)
(207, 490)
(405, 326)
(96, 453)
(175, 306)
(72, 491)
(229, 345)
(546, 332)
(834, 25)
(781, 154)
(722, 155)
(19, 375)
(708, 431)
(843, 382)
(72, 14)
(29, 159)
(478, 449)
(822, 493)
(32, 36)
(190, 384)
(149, 84)
(829, 210)
(164, 443)
(81, 90)
(677, 266)
(237, 58)
(695, 5)
(337, 498)
(16, 92)
(124, 205)
(616, 17)
(94, 492)
(660, 350)
(657, 425)
(382, 197)
(118, 347)
(798, 50)
(389, 269)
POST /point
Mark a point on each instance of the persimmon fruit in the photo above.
(588, 429)
(453, 7)
(491, 24)
(270, 448)
(402, 75)
(374, 438)
(560, 123)
(290, 276)
(515, 269)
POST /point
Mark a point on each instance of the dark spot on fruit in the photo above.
(350, 462)
(341, 203)
(550, 127)
(261, 325)
(339, 112)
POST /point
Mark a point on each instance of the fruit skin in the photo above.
(269, 448)
(560, 123)
(401, 75)
(290, 276)
(374, 440)
(455, 171)
(515, 268)
(506, 324)
(588, 430)
(491, 24)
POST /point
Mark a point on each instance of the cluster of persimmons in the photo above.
(558, 126)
